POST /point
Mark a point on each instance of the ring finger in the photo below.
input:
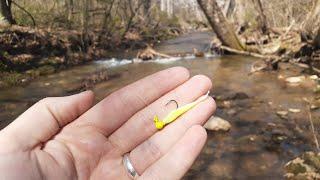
(159, 144)
(140, 127)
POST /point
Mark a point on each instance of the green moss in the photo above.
(4, 53)
(3, 67)
(44, 70)
(312, 159)
(33, 73)
(296, 168)
(11, 79)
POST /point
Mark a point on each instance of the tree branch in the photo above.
(24, 10)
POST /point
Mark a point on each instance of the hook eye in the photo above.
(173, 101)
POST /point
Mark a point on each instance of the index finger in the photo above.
(117, 108)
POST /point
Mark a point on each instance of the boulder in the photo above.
(217, 124)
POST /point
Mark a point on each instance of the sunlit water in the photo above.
(259, 143)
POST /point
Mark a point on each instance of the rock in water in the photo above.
(198, 53)
(314, 77)
(217, 124)
(294, 110)
(282, 113)
(295, 80)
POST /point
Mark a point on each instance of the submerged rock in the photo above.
(225, 104)
(217, 124)
(232, 112)
(317, 89)
(282, 113)
(295, 80)
(314, 107)
(90, 81)
(314, 77)
(315, 104)
(221, 168)
(294, 110)
(305, 167)
(233, 96)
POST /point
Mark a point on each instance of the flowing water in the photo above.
(259, 143)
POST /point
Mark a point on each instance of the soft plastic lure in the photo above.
(175, 114)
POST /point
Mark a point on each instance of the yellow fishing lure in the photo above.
(175, 114)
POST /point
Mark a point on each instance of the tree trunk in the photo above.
(231, 6)
(85, 17)
(146, 7)
(6, 17)
(311, 27)
(170, 8)
(163, 5)
(262, 18)
(70, 7)
(167, 6)
(226, 6)
(316, 40)
(220, 25)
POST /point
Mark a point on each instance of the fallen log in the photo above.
(247, 53)
(149, 53)
(305, 66)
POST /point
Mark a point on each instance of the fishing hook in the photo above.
(174, 102)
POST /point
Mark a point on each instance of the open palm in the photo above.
(69, 138)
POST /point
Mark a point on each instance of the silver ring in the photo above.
(132, 173)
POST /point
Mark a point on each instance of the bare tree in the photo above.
(167, 6)
(70, 7)
(262, 18)
(312, 23)
(133, 8)
(85, 17)
(5, 12)
(146, 7)
(106, 18)
(220, 25)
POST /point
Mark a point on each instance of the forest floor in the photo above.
(27, 53)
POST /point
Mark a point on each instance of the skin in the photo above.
(69, 138)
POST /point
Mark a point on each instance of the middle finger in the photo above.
(140, 126)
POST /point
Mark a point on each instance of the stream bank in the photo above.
(27, 53)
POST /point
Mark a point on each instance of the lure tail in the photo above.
(202, 98)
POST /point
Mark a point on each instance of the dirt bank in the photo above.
(27, 53)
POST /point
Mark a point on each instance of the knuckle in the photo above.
(154, 150)
(203, 79)
(212, 103)
(179, 70)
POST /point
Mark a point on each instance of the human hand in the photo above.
(69, 138)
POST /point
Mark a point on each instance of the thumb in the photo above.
(46, 118)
